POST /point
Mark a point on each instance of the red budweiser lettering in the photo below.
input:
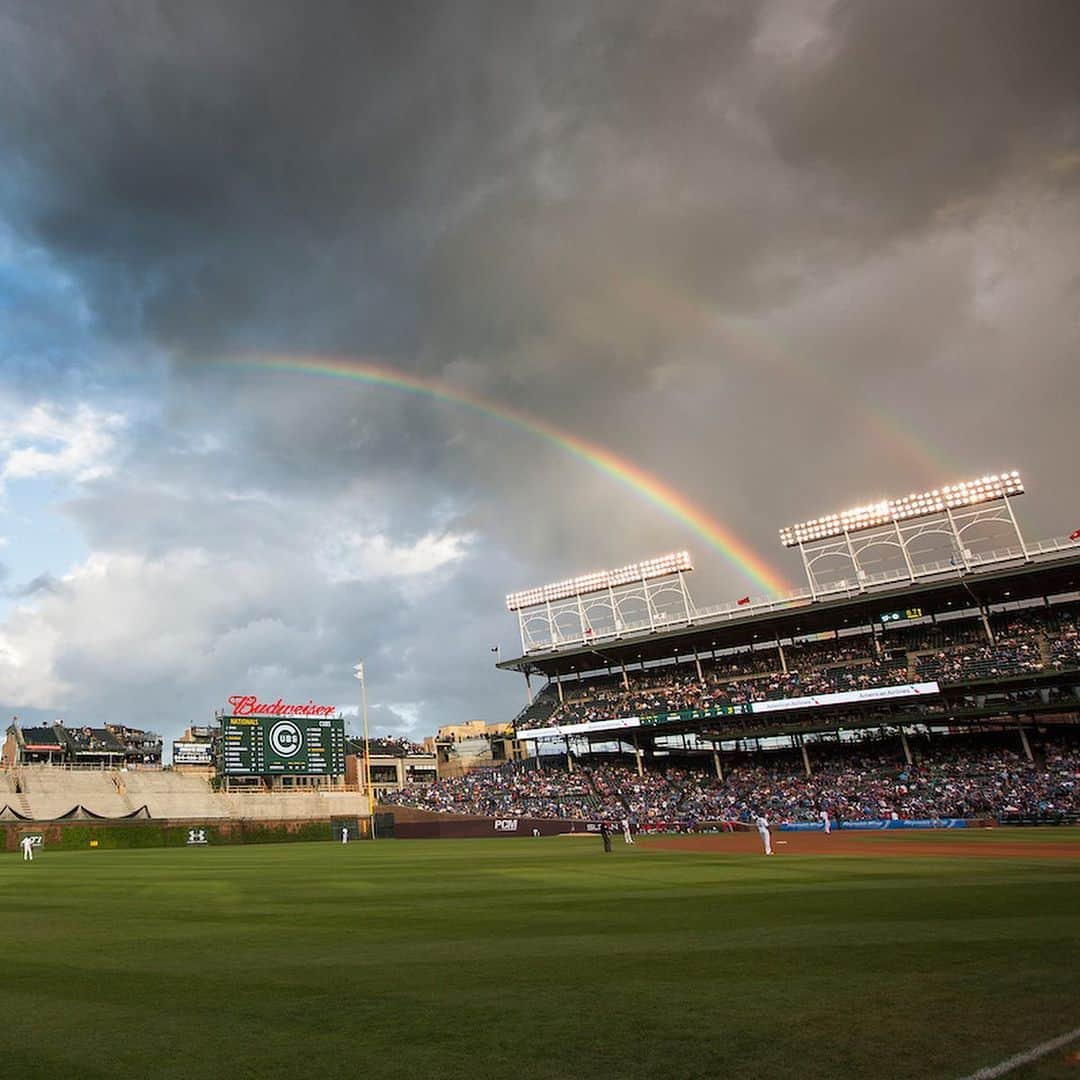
(250, 705)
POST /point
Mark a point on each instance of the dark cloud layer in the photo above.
(784, 256)
(919, 107)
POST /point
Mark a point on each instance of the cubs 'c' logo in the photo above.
(285, 738)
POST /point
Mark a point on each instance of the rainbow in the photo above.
(651, 488)
(758, 345)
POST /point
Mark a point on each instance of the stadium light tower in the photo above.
(358, 673)
(909, 525)
(604, 603)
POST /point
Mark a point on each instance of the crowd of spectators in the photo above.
(952, 776)
(508, 791)
(389, 746)
(1065, 642)
(955, 652)
(1017, 650)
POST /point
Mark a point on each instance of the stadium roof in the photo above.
(950, 591)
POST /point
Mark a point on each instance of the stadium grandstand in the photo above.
(929, 669)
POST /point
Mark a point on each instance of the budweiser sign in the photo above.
(250, 705)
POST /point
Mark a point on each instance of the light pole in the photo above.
(358, 673)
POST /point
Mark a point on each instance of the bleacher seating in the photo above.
(47, 793)
(953, 776)
(949, 652)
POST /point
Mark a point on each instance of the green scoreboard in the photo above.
(282, 746)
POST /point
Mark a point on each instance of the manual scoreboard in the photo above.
(282, 746)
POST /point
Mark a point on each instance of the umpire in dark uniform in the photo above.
(605, 835)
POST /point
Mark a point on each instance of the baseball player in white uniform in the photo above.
(27, 845)
(825, 821)
(762, 823)
(627, 836)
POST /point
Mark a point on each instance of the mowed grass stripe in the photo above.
(531, 959)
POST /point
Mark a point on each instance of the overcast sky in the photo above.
(786, 257)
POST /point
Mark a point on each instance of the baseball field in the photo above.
(931, 955)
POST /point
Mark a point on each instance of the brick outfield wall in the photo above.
(76, 835)
(413, 824)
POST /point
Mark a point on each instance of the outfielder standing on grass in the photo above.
(27, 845)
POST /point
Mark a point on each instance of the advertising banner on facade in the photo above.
(847, 697)
(192, 753)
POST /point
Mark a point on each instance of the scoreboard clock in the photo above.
(902, 616)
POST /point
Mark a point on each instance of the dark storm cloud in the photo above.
(920, 107)
(226, 164)
(259, 171)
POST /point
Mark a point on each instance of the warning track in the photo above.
(949, 845)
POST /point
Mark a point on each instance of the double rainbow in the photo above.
(625, 472)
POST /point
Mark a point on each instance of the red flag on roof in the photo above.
(1075, 534)
(743, 600)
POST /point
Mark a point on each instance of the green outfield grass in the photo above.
(529, 958)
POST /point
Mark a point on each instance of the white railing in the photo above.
(72, 766)
(731, 612)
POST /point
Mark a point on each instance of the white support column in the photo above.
(854, 561)
(637, 756)
(569, 759)
(961, 550)
(558, 686)
(625, 679)
(648, 602)
(716, 763)
(783, 658)
(581, 620)
(805, 756)
(616, 622)
(1012, 518)
(521, 630)
(551, 624)
(528, 688)
(809, 572)
(903, 548)
(697, 664)
(685, 597)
